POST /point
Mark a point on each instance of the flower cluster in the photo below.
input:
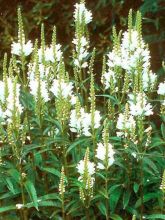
(131, 53)
(51, 53)
(104, 154)
(139, 106)
(125, 124)
(82, 52)
(35, 85)
(81, 122)
(86, 170)
(161, 89)
(82, 14)
(26, 48)
(61, 88)
(10, 103)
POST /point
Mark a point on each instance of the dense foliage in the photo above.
(76, 142)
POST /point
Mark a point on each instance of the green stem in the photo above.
(107, 199)
(141, 189)
(24, 211)
(87, 214)
(23, 71)
(63, 209)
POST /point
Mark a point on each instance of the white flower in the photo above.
(73, 99)
(124, 123)
(27, 48)
(127, 57)
(81, 13)
(34, 89)
(101, 155)
(19, 206)
(108, 77)
(90, 167)
(83, 42)
(11, 101)
(97, 119)
(134, 154)
(49, 54)
(2, 91)
(81, 123)
(81, 50)
(149, 79)
(75, 121)
(1, 113)
(86, 123)
(161, 88)
(59, 87)
(44, 71)
(139, 106)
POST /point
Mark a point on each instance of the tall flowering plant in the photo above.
(86, 150)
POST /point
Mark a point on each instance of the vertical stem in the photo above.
(87, 214)
(24, 211)
(23, 71)
(64, 150)
(63, 210)
(107, 199)
(141, 188)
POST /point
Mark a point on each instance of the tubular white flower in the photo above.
(2, 91)
(19, 206)
(82, 124)
(108, 77)
(81, 50)
(27, 48)
(75, 121)
(34, 89)
(127, 58)
(149, 79)
(44, 71)
(161, 88)
(59, 87)
(81, 167)
(125, 123)
(49, 53)
(139, 106)
(10, 98)
(81, 13)
(101, 155)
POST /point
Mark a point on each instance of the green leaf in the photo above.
(49, 196)
(136, 187)
(10, 185)
(126, 198)
(102, 208)
(114, 196)
(116, 217)
(146, 198)
(32, 192)
(150, 164)
(7, 208)
(155, 216)
(43, 203)
(163, 130)
(76, 143)
(15, 174)
(51, 170)
(103, 193)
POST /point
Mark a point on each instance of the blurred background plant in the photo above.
(106, 14)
